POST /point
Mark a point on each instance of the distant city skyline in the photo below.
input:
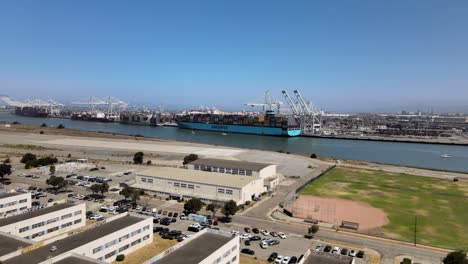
(354, 56)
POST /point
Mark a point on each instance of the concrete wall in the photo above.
(203, 191)
(29, 228)
(267, 172)
(12, 204)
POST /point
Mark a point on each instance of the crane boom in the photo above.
(302, 103)
(290, 102)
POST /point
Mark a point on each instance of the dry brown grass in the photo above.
(143, 254)
(250, 260)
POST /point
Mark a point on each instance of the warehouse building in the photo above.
(121, 234)
(208, 186)
(45, 223)
(243, 168)
(14, 202)
(209, 247)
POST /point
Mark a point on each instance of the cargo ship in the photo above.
(96, 117)
(31, 111)
(267, 124)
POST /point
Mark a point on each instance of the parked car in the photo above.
(247, 230)
(175, 215)
(281, 235)
(327, 248)
(319, 248)
(170, 214)
(255, 238)
(272, 257)
(279, 259)
(157, 229)
(336, 250)
(247, 251)
(273, 234)
(344, 252)
(247, 242)
(360, 254)
(286, 260)
(273, 242)
(264, 245)
(255, 230)
(293, 260)
(352, 253)
(265, 232)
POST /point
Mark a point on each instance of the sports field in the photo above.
(441, 206)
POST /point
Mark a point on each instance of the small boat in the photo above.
(445, 156)
(224, 134)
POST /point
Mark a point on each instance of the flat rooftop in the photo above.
(10, 244)
(196, 176)
(196, 250)
(77, 260)
(326, 258)
(32, 214)
(69, 243)
(232, 164)
(11, 194)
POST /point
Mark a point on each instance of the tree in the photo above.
(104, 188)
(230, 208)
(95, 188)
(28, 157)
(313, 156)
(52, 170)
(313, 229)
(136, 195)
(213, 208)
(63, 185)
(456, 257)
(190, 158)
(126, 192)
(193, 205)
(7, 160)
(60, 126)
(148, 162)
(5, 169)
(44, 125)
(55, 181)
(138, 158)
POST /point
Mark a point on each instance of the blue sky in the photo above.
(343, 55)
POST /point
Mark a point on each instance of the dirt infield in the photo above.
(333, 210)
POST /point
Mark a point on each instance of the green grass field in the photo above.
(441, 206)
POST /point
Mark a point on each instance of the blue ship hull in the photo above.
(269, 131)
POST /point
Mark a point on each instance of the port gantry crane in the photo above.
(270, 103)
(309, 115)
(110, 102)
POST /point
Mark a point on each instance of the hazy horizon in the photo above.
(354, 56)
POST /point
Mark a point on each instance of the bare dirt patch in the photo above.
(333, 210)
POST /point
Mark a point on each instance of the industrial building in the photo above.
(121, 234)
(45, 223)
(12, 246)
(208, 247)
(242, 168)
(208, 186)
(14, 202)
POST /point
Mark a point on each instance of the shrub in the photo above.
(138, 157)
(148, 162)
(247, 203)
(406, 261)
(455, 179)
(44, 125)
(120, 257)
(60, 126)
(16, 123)
(7, 160)
(313, 156)
(41, 132)
(28, 157)
(190, 158)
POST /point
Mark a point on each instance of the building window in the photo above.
(38, 225)
(77, 221)
(38, 234)
(234, 248)
(53, 220)
(150, 180)
(110, 244)
(143, 179)
(145, 228)
(66, 216)
(23, 201)
(123, 238)
(228, 191)
(235, 171)
(53, 229)
(197, 167)
(248, 173)
(110, 254)
(146, 237)
(176, 184)
(124, 248)
(241, 172)
(220, 190)
(183, 185)
(67, 225)
(136, 242)
(23, 208)
(77, 212)
(96, 250)
(21, 230)
(221, 170)
(234, 259)
(191, 186)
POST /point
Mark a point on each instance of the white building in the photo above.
(208, 186)
(209, 247)
(119, 235)
(243, 168)
(15, 202)
(45, 223)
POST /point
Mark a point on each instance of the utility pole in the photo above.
(415, 228)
